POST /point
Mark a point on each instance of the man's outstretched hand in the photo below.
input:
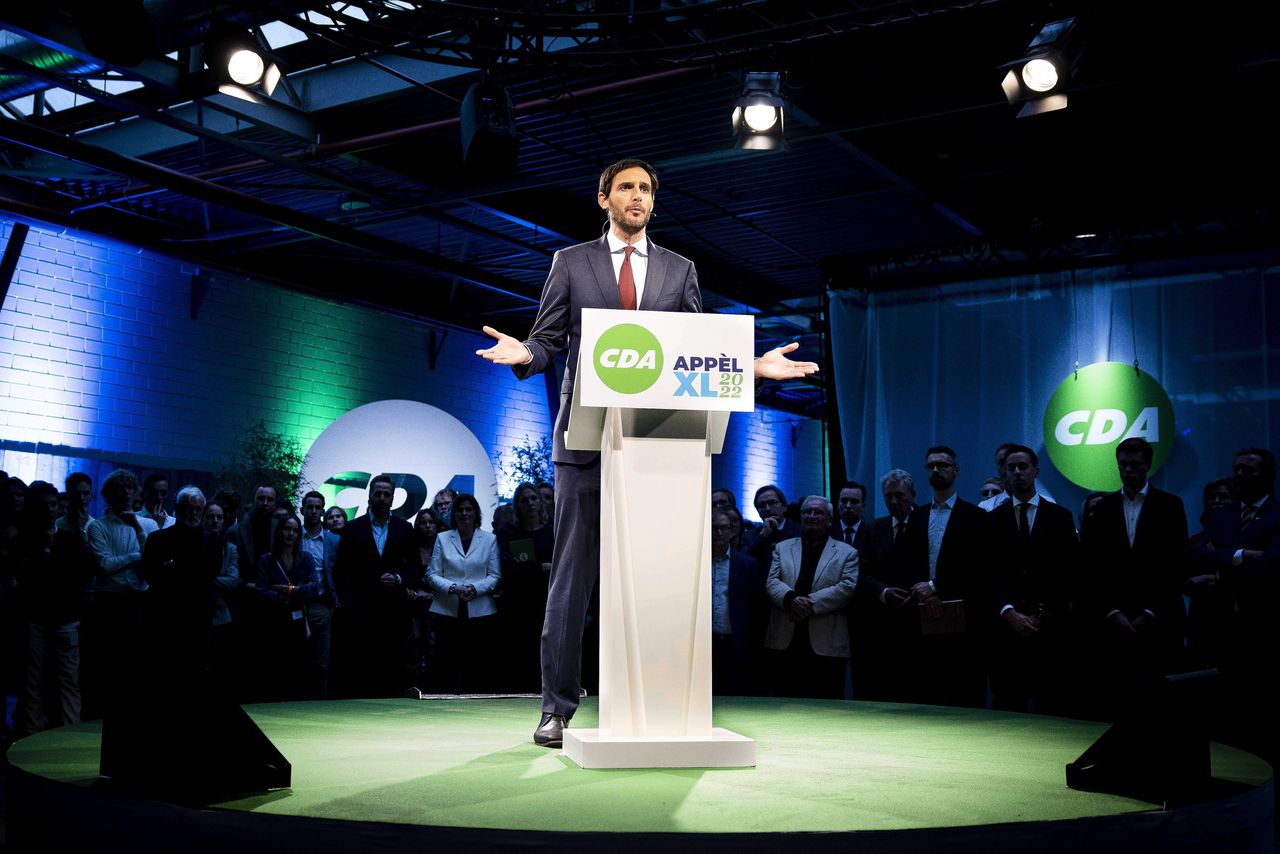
(773, 365)
(508, 350)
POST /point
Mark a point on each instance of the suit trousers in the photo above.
(575, 566)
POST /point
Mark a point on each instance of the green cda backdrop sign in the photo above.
(1095, 409)
(628, 358)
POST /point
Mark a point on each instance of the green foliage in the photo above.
(527, 461)
(259, 456)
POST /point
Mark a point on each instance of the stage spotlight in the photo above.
(240, 64)
(1038, 80)
(489, 138)
(759, 116)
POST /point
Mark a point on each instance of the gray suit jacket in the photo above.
(582, 277)
(834, 581)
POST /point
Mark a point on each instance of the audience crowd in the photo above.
(1008, 602)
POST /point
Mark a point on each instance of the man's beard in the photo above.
(618, 218)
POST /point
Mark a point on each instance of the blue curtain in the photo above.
(974, 365)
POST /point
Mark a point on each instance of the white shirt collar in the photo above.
(1142, 492)
(950, 502)
(616, 244)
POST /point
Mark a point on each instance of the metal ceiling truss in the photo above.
(601, 33)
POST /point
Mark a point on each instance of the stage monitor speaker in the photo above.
(205, 752)
(1159, 751)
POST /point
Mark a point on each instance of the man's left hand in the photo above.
(389, 580)
(775, 365)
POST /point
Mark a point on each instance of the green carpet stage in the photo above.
(372, 775)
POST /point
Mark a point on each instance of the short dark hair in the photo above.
(941, 449)
(382, 478)
(852, 484)
(270, 486)
(40, 487)
(1005, 446)
(1022, 449)
(728, 492)
(467, 498)
(769, 486)
(607, 176)
(314, 494)
(1142, 446)
(152, 478)
(1214, 484)
(78, 477)
(1268, 462)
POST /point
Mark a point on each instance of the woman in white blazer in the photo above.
(464, 574)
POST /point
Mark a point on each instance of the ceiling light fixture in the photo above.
(1039, 79)
(759, 116)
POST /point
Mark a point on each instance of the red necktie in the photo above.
(626, 281)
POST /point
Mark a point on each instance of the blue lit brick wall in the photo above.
(100, 360)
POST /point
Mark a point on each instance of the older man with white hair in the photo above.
(811, 582)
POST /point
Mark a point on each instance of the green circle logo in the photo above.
(1096, 409)
(628, 358)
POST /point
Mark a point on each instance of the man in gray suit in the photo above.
(621, 270)
(811, 582)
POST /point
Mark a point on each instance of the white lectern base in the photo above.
(722, 749)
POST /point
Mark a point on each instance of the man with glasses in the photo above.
(737, 611)
(811, 582)
(945, 552)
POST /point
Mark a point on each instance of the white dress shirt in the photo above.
(995, 501)
(639, 262)
(1133, 510)
(939, 516)
(720, 623)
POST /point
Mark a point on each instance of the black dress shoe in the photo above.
(550, 732)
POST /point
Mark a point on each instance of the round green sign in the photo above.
(1095, 409)
(628, 358)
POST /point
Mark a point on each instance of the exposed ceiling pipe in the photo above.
(99, 158)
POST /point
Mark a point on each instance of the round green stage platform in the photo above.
(830, 776)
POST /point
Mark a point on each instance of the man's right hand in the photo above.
(1121, 624)
(508, 350)
(928, 599)
(1021, 624)
(896, 597)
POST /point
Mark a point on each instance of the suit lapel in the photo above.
(1264, 519)
(602, 268)
(825, 561)
(655, 278)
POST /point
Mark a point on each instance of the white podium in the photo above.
(653, 393)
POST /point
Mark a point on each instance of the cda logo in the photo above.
(628, 358)
(423, 449)
(1096, 409)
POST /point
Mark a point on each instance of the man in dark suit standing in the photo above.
(865, 627)
(377, 559)
(891, 631)
(1239, 552)
(771, 507)
(947, 548)
(739, 610)
(621, 270)
(1034, 553)
(1135, 550)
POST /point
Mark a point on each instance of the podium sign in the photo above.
(653, 393)
(665, 360)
